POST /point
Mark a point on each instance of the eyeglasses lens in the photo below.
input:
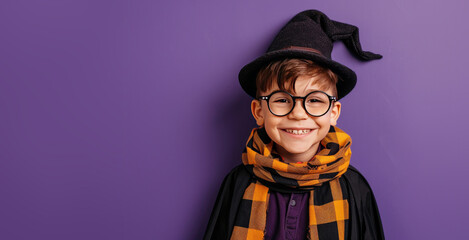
(280, 103)
(317, 103)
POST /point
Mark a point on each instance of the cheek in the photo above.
(271, 127)
(270, 124)
(324, 120)
(324, 125)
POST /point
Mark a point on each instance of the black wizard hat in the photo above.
(310, 35)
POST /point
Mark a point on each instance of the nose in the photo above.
(298, 111)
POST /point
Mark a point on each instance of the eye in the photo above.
(281, 100)
(315, 100)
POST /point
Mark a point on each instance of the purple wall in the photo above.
(119, 119)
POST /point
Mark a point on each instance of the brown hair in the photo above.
(286, 71)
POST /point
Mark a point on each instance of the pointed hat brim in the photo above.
(347, 78)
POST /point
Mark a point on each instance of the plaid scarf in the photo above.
(328, 210)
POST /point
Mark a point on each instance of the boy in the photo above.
(295, 181)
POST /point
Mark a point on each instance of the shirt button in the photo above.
(292, 203)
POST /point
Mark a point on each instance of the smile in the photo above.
(298, 132)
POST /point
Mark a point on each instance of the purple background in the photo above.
(119, 119)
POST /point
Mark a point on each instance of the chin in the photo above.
(298, 149)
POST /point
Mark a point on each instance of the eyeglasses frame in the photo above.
(331, 99)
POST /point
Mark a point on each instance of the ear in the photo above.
(335, 113)
(256, 110)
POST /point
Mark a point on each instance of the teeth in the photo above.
(298, 132)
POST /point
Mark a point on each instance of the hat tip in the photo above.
(367, 56)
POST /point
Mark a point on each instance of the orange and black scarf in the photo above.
(325, 209)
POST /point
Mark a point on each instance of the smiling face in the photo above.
(297, 135)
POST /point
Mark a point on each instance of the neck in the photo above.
(296, 157)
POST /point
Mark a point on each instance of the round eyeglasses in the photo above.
(316, 103)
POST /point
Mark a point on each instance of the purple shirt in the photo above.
(287, 216)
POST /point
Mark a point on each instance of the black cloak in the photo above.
(364, 219)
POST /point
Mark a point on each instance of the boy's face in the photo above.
(300, 147)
